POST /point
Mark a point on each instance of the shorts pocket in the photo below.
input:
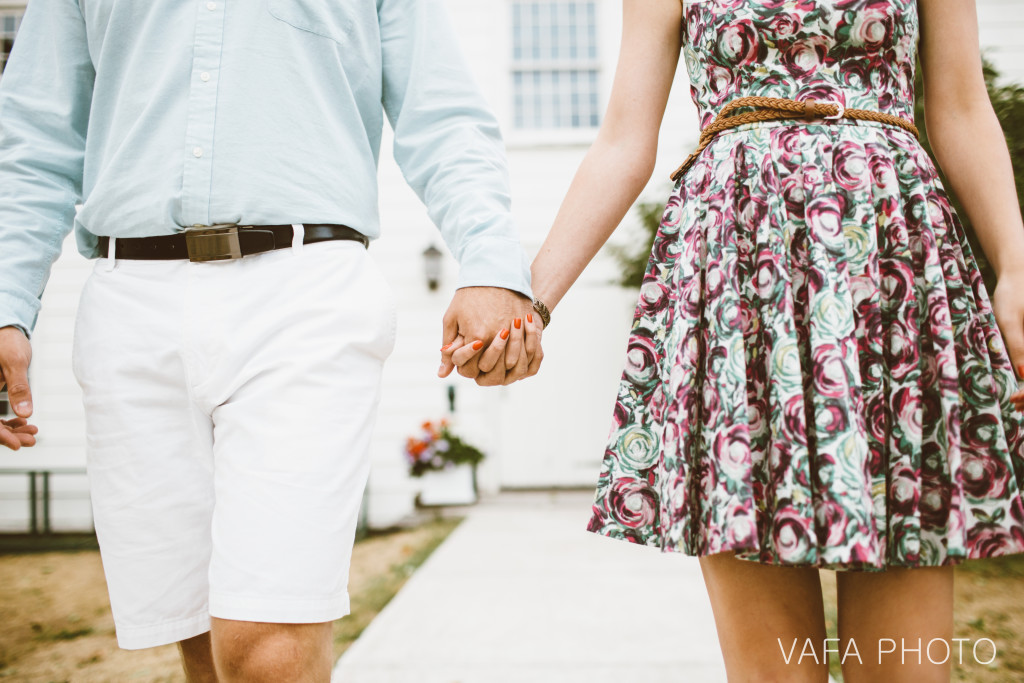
(326, 18)
(384, 295)
(83, 319)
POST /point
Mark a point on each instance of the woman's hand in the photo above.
(521, 340)
(1008, 307)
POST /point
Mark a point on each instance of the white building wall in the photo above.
(549, 431)
(1001, 33)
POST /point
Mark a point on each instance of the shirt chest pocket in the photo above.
(327, 18)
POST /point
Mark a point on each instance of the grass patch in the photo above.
(368, 599)
(17, 544)
(63, 634)
(1010, 566)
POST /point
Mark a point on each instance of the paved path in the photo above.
(520, 593)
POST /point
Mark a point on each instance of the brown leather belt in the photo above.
(777, 109)
(224, 242)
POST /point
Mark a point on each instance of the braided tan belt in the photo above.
(775, 109)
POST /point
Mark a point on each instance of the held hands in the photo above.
(500, 320)
(15, 355)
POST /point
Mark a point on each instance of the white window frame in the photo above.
(544, 64)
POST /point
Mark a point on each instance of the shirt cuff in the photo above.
(14, 310)
(495, 262)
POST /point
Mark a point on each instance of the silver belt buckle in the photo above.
(213, 243)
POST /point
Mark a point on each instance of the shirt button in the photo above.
(205, 76)
(197, 152)
(211, 6)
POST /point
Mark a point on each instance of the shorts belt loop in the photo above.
(111, 251)
(298, 234)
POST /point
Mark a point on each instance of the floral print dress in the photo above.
(814, 376)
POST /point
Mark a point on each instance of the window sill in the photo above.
(554, 137)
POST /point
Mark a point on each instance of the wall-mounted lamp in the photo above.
(432, 266)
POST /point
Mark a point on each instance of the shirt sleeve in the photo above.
(448, 144)
(45, 95)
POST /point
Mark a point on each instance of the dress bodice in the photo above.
(860, 53)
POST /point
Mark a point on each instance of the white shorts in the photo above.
(229, 407)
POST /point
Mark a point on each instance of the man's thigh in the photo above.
(293, 386)
(229, 409)
(149, 453)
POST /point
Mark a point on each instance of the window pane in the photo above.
(9, 22)
(554, 47)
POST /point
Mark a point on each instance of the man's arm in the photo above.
(449, 148)
(45, 95)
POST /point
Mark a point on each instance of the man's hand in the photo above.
(15, 355)
(530, 357)
(475, 316)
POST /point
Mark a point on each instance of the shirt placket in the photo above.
(202, 112)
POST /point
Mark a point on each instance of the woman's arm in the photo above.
(612, 175)
(965, 133)
(621, 160)
(971, 149)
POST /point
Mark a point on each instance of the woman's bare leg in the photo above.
(770, 620)
(891, 614)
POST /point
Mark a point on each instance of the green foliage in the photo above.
(1008, 102)
(633, 258)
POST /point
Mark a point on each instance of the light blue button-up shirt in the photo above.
(162, 114)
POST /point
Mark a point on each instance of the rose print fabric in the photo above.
(815, 376)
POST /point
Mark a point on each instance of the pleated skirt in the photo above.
(814, 375)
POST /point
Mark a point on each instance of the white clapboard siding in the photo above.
(549, 431)
(1001, 33)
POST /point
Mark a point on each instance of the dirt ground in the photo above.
(55, 621)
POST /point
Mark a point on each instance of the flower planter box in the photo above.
(450, 486)
(444, 464)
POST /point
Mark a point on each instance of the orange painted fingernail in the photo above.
(529, 317)
(518, 323)
(477, 345)
(447, 346)
(504, 334)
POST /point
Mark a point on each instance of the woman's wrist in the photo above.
(542, 311)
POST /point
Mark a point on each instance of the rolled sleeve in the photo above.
(495, 262)
(18, 310)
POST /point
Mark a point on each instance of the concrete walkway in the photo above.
(521, 592)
